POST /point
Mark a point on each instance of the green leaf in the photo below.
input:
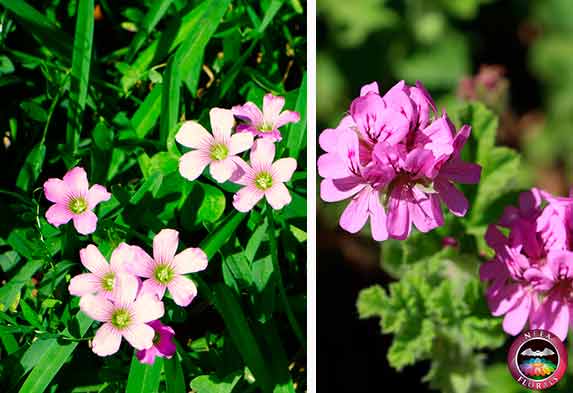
(146, 27)
(144, 378)
(30, 315)
(174, 375)
(296, 140)
(147, 114)
(270, 14)
(170, 102)
(10, 291)
(80, 75)
(371, 301)
(212, 205)
(213, 384)
(32, 167)
(221, 235)
(52, 359)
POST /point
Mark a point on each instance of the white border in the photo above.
(311, 196)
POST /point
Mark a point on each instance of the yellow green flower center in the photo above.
(120, 318)
(264, 181)
(107, 281)
(266, 127)
(78, 205)
(163, 274)
(219, 152)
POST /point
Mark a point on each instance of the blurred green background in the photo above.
(516, 56)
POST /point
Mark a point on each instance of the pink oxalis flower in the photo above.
(125, 315)
(74, 200)
(216, 150)
(166, 270)
(263, 178)
(265, 124)
(163, 344)
(397, 161)
(531, 275)
(102, 277)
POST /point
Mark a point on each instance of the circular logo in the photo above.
(537, 359)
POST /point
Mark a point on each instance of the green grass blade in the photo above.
(296, 138)
(270, 13)
(169, 101)
(10, 291)
(144, 378)
(217, 238)
(242, 335)
(83, 41)
(53, 358)
(174, 375)
(147, 114)
(157, 11)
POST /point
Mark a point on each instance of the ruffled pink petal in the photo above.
(240, 142)
(147, 356)
(338, 190)
(452, 197)
(369, 88)
(106, 341)
(516, 318)
(152, 287)
(242, 172)
(287, 117)
(97, 307)
(77, 181)
(86, 222)
(222, 170)
(165, 245)
(83, 284)
(142, 264)
(194, 135)
(192, 164)
(554, 315)
(355, 215)
(166, 346)
(248, 112)
(56, 191)
(399, 221)
(222, 122)
(147, 308)
(183, 290)
(190, 260)
(278, 196)
(262, 154)
(425, 211)
(125, 289)
(505, 299)
(272, 106)
(94, 261)
(332, 166)
(329, 138)
(283, 169)
(460, 171)
(121, 257)
(58, 214)
(97, 194)
(139, 335)
(246, 198)
(377, 217)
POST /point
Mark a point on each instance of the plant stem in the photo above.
(282, 292)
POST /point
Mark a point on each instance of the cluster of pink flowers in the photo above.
(531, 276)
(396, 159)
(220, 151)
(113, 293)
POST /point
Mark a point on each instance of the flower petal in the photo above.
(97, 307)
(246, 198)
(355, 215)
(194, 135)
(222, 122)
(97, 194)
(272, 106)
(454, 199)
(125, 289)
(142, 264)
(139, 335)
(332, 191)
(278, 196)
(287, 117)
(248, 112)
(516, 318)
(192, 164)
(399, 221)
(121, 257)
(165, 245)
(106, 341)
(56, 191)
(377, 217)
(459, 171)
(147, 308)
(58, 214)
(84, 283)
(147, 356)
(222, 170)
(425, 210)
(77, 181)
(183, 290)
(94, 261)
(262, 153)
(240, 142)
(190, 260)
(152, 287)
(86, 222)
(283, 169)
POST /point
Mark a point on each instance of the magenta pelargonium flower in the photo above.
(263, 178)
(166, 270)
(163, 344)
(102, 277)
(215, 150)
(531, 276)
(397, 161)
(265, 123)
(125, 315)
(74, 200)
